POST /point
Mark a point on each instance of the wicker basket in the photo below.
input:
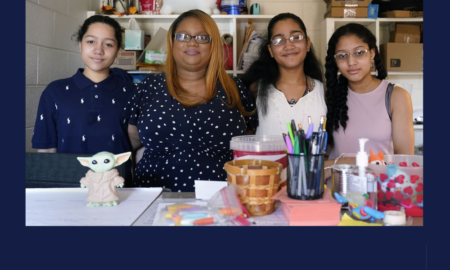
(258, 181)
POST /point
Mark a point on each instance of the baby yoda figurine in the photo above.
(102, 179)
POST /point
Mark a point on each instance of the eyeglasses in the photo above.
(293, 39)
(201, 39)
(343, 57)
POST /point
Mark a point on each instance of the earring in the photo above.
(372, 64)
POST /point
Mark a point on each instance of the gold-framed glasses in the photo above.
(294, 39)
(343, 57)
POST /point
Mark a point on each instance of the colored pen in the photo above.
(290, 134)
(289, 145)
(296, 144)
(293, 126)
(310, 130)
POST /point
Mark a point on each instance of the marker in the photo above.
(289, 145)
(310, 130)
(296, 144)
(290, 134)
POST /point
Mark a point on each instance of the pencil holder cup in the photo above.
(305, 177)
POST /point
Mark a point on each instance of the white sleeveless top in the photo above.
(280, 112)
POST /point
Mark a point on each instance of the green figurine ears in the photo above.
(104, 161)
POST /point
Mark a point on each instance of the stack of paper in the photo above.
(323, 212)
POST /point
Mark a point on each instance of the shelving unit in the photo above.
(227, 24)
(379, 27)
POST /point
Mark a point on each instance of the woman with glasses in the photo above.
(286, 78)
(186, 116)
(361, 105)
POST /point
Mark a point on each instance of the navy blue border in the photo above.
(212, 248)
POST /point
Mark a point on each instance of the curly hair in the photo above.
(265, 69)
(337, 86)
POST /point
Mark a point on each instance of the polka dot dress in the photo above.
(184, 144)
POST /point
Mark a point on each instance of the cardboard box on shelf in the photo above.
(158, 43)
(344, 12)
(402, 56)
(396, 14)
(405, 33)
(416, 14)
(347, 3)
(125, 60)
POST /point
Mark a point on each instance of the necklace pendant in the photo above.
(292, 101)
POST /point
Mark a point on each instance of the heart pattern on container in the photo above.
(415, 164)
(407, 202)
(419, 198)
(408, 190)
(383, 177)
(398, 195)
(402, 164)
(391, 184)
(389, 194)
(419, 187)
(414, 178)
(400, 179)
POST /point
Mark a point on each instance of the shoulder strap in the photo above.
(388, 99)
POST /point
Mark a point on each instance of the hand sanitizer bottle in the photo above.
(362, 179)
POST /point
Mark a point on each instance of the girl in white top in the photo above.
(286, 80)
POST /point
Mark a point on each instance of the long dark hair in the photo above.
(78, 36)
(337, 87)
(265, 70)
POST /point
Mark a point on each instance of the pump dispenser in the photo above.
(362, 159)
(362, 178)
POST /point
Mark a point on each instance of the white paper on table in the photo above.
(67, 207)
(204, 190)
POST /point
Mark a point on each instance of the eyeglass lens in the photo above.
(293, 39)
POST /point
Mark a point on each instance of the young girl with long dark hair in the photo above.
(287, 78)
(361, 105)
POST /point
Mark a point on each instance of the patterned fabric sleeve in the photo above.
(132, 108)
(45, 135)
(248, 104)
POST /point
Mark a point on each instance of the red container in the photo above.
(264, 147)
(148, 7)
(228, 56)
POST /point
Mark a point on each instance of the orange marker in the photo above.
(204, 221)
(227, 212)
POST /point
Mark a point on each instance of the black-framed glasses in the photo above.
(198, 38)
(342, 57)
(294, 39)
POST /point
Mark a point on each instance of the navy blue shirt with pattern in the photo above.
(76, 115)
(185, 144)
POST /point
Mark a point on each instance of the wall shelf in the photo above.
(227, 24)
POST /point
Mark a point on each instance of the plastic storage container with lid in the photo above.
(400, 183)
(266, 147)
